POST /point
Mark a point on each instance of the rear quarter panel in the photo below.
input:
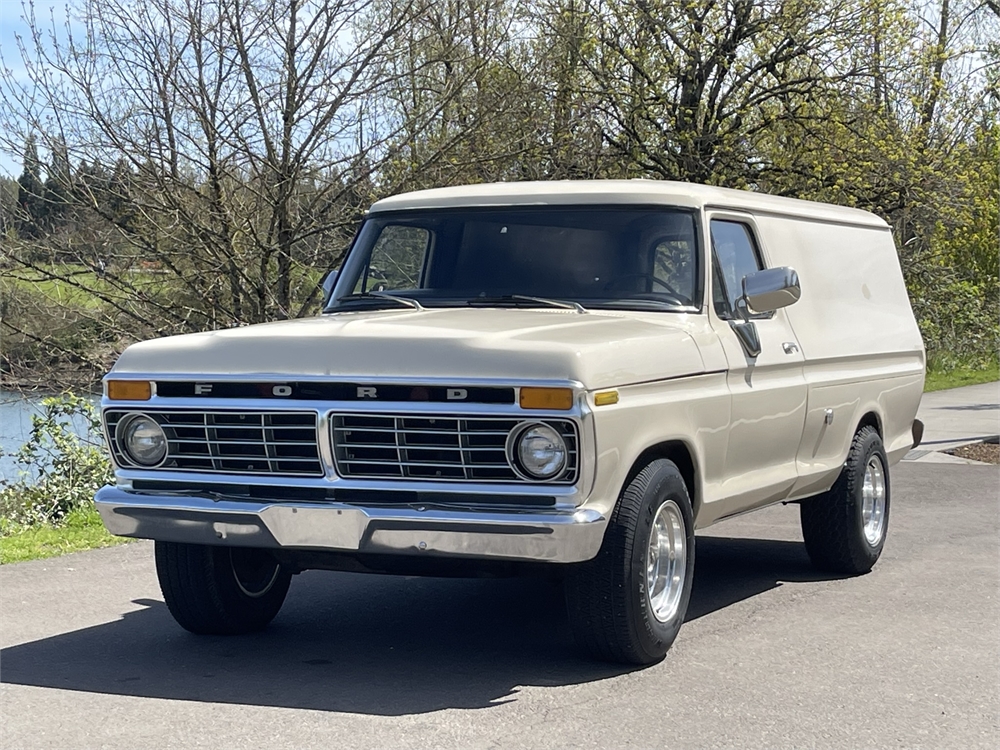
(855, 326)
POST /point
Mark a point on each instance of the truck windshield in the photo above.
(628, 258)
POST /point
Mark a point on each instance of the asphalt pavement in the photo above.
(773, 654)
(956, 417)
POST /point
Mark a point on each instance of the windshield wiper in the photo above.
(407, 301)
(567, 305)
(638, 303)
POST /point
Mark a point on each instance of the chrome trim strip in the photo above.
(264, 377)
(687, 376)
(568, 497)
(430, 409)
(557, 536)
(325, 439)
(587, 447)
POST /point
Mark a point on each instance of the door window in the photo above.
(734, 255)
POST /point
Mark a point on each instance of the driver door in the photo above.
(768, 387)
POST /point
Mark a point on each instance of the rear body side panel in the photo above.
(863, 350)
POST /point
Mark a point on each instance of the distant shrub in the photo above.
(62, 468)
(958, 320)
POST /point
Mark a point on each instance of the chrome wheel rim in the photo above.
(255, 571)
(666, 561)
(873, 501)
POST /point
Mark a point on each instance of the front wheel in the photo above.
(627, 604)
(845, 529)
(220, 590)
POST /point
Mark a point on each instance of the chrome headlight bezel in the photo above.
(516, 448)
(123, 438)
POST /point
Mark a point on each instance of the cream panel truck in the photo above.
(565, 378)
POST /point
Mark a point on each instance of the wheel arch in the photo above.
(870, 418)
(683, 457)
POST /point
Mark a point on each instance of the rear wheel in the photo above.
(220, 590)
(627, 604)
(845, 528)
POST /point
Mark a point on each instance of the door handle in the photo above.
(790, 347)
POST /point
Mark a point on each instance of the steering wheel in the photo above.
(670, 291)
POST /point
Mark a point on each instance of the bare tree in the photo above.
(238, 130)
(462, 95)
(688, 87)
(192, 164)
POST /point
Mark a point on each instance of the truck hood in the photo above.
(597, 349)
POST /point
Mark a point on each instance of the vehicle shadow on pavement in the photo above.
(376, 645)
(729, 570)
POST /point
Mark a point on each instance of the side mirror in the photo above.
(328, 282)
(771, 288)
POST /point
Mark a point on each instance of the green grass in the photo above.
(64, 292)
(81, 529)
(940, 380)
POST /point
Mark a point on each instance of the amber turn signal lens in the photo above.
(547, 398)
(605, 398)
(129, 390)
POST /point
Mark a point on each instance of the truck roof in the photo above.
(625, 192)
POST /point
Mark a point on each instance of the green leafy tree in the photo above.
(58, 186)
(31, 193)
(689, 90)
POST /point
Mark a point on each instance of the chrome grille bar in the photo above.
(449, 448)
(281, 443)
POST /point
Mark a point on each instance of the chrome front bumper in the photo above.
(558, 536)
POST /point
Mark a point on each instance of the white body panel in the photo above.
(599, 349)
(861, 344)
(623, 192)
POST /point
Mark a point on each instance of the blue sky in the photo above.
(12, 25)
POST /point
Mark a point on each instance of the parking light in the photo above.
(129, 390)
(546, 398)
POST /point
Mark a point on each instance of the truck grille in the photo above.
(278, 443)
(402, 446)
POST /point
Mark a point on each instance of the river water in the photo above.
(15, 427)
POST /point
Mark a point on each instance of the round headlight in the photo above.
(539, 451)
(142, 440)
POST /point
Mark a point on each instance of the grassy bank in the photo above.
(81, 529)
(48, 508)
(939, 381)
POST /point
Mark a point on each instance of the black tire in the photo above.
(833, 524)
(220, 590)
(609, 610)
